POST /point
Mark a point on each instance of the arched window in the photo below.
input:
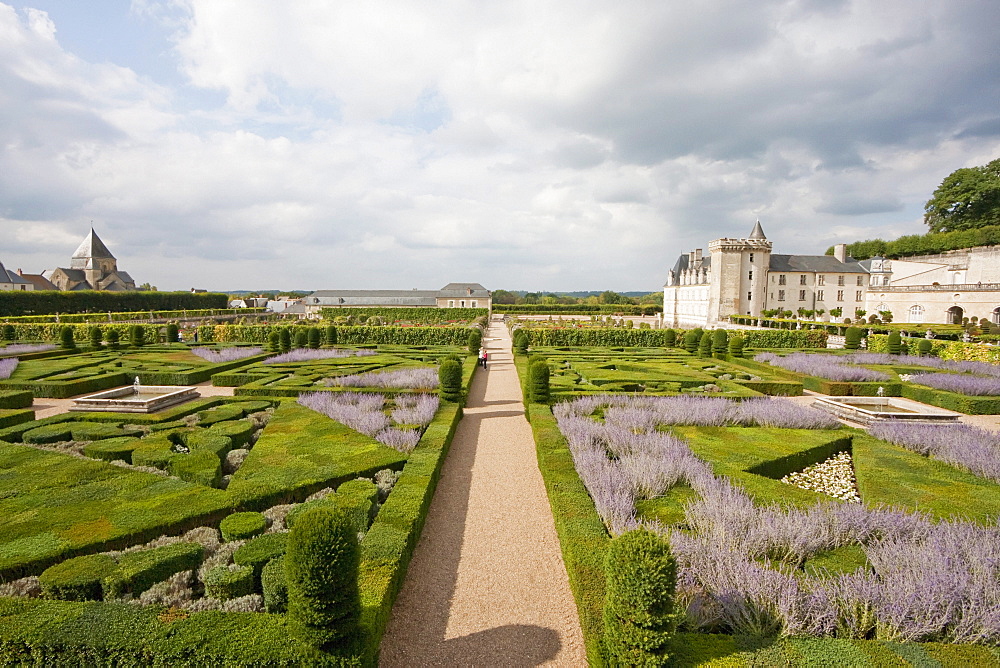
(996, 316)
(955, 315)
(916, 313)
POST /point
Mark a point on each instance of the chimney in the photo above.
(697, 255)
(840, 252)
(19, 272)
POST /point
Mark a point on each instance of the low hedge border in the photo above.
(962, 403)
(11, 418)
(16, 399)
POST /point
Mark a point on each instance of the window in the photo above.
(750, 275)
(858, 295)
(917, 313)
(451, 303)
(821, 280)
(840, 280)
(840, 295)
(819, 295)
(749, 296)
(860, 280)
(475, 304)
(802, 279)
(802, 295)
(781, 279)
(781, 295)
(462, 303)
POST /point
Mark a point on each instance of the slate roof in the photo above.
(92, 247)
(758, 232)
(397, 297)
(462, 290)
(826, 264)
(7, 276)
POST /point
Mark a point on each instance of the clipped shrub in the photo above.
(137, 335)
(155, 452)
(705, 345)
(894, 343)
(639, 615)
(66, 341)
(274, 585)
(538, 382)
(50, 433)
(96, 336)
(96, 431)
(669, 338)
(173, 332)
(113, 339)
(852, 338)
(331, 335)
(475, 340)
(736, 345)
(360, 499)
(924, 347)
(209, 440)
(8, 332)
(720, 342)
(314, 338)
(691, 341)
(240, 526)
(450, 380)
(298, 509)
(227, 582)
(284, 340)
(237, 431)
(219, 414)
(520, 342)
(301, 338)
(200, 467)
(112, 449)
(258, 552)
(273, 341)
(78, 579)
(321, 566)
(138, 571)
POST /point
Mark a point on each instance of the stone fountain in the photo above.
(135, 398)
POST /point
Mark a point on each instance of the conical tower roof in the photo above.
(92, 247)
(758, 232)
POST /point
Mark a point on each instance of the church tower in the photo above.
(739, 275)
(94, 259)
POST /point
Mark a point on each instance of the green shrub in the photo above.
(155, 452)
(274, 585)
(639, 615)
(301, 338)
(112, 449)
(259, 551)
(736, 345)
(520, 342)
(314, 338)
(538, 382)
(720, 342)
(852, 338)
(924, 347)
(173, 332)
(321, 566)
(705, 345)
(691, 341)
(97, 431)
(16, 399)
(240, 526)
(78, 579)
(450, 380)
(284, 340)
(113, 338)
(225, 582)
(331, 335)
(66, 341)
(96, 336)
(238, 432)
(360, 499)
(669, 338)
(298, 509)
(219, 414)
(138, 571)
(51, 433)
(209, 440)
(475, 340)
(274, 341)
(200, 467)
(895, 342)
(8, 332)
(137, 336)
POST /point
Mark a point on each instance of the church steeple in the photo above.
(758, 232)
(91, 249)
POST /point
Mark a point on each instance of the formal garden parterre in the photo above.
(767, 571)
(170, 532)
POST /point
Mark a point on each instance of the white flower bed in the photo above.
(833, 477)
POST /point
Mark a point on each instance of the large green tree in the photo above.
(968, 198)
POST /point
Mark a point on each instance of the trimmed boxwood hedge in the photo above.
(259, 551)
(219, 414)
(112, 449)
(96, 431)
(16, 399)
(78, 579)
(201, 467)
(52, 433)
(138, 571)
(274, 585)
(238, 432)
(240, 526)
(13, 418)
(224, 583)
(209, 441)
(963, 403)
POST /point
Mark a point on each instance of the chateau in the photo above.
(743, 276)
(92, 267)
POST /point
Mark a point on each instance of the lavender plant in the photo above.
(24, 348)
(7, 367)
(831, 367)
(365, 412)
(424, 378)
(308, 354)
(962, 383)
(961, 445)
(226, 354)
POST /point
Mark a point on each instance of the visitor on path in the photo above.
(482, 357)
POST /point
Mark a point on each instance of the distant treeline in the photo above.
(923, 244)
(46, 302)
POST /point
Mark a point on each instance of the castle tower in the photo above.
(739, 275)
(94, 259)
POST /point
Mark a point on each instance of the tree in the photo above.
(967, 198)
(504, 297)
(610, 297)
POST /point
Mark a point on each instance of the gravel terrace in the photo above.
(487, 585)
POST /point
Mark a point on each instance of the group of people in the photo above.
(483, 356)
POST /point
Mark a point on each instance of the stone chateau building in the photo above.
(453, 295)
(92, 267)
(744, 276)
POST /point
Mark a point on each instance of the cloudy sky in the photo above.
(524, 144)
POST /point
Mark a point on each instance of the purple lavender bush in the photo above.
(226, 354)
(309, 354)
(424, 378)
(962, 383)
(365, 412)
(7, 367)
(24, 348)
(962, 445)
(831, 367)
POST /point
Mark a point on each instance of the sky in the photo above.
(525, 145)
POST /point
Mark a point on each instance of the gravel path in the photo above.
(487, 585)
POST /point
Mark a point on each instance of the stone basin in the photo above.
(865, 410)
(129, 399)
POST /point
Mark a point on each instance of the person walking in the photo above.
(482, 357)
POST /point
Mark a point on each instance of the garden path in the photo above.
(487, 584)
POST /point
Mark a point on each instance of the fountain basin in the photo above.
(148, 399)
(865, 410)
